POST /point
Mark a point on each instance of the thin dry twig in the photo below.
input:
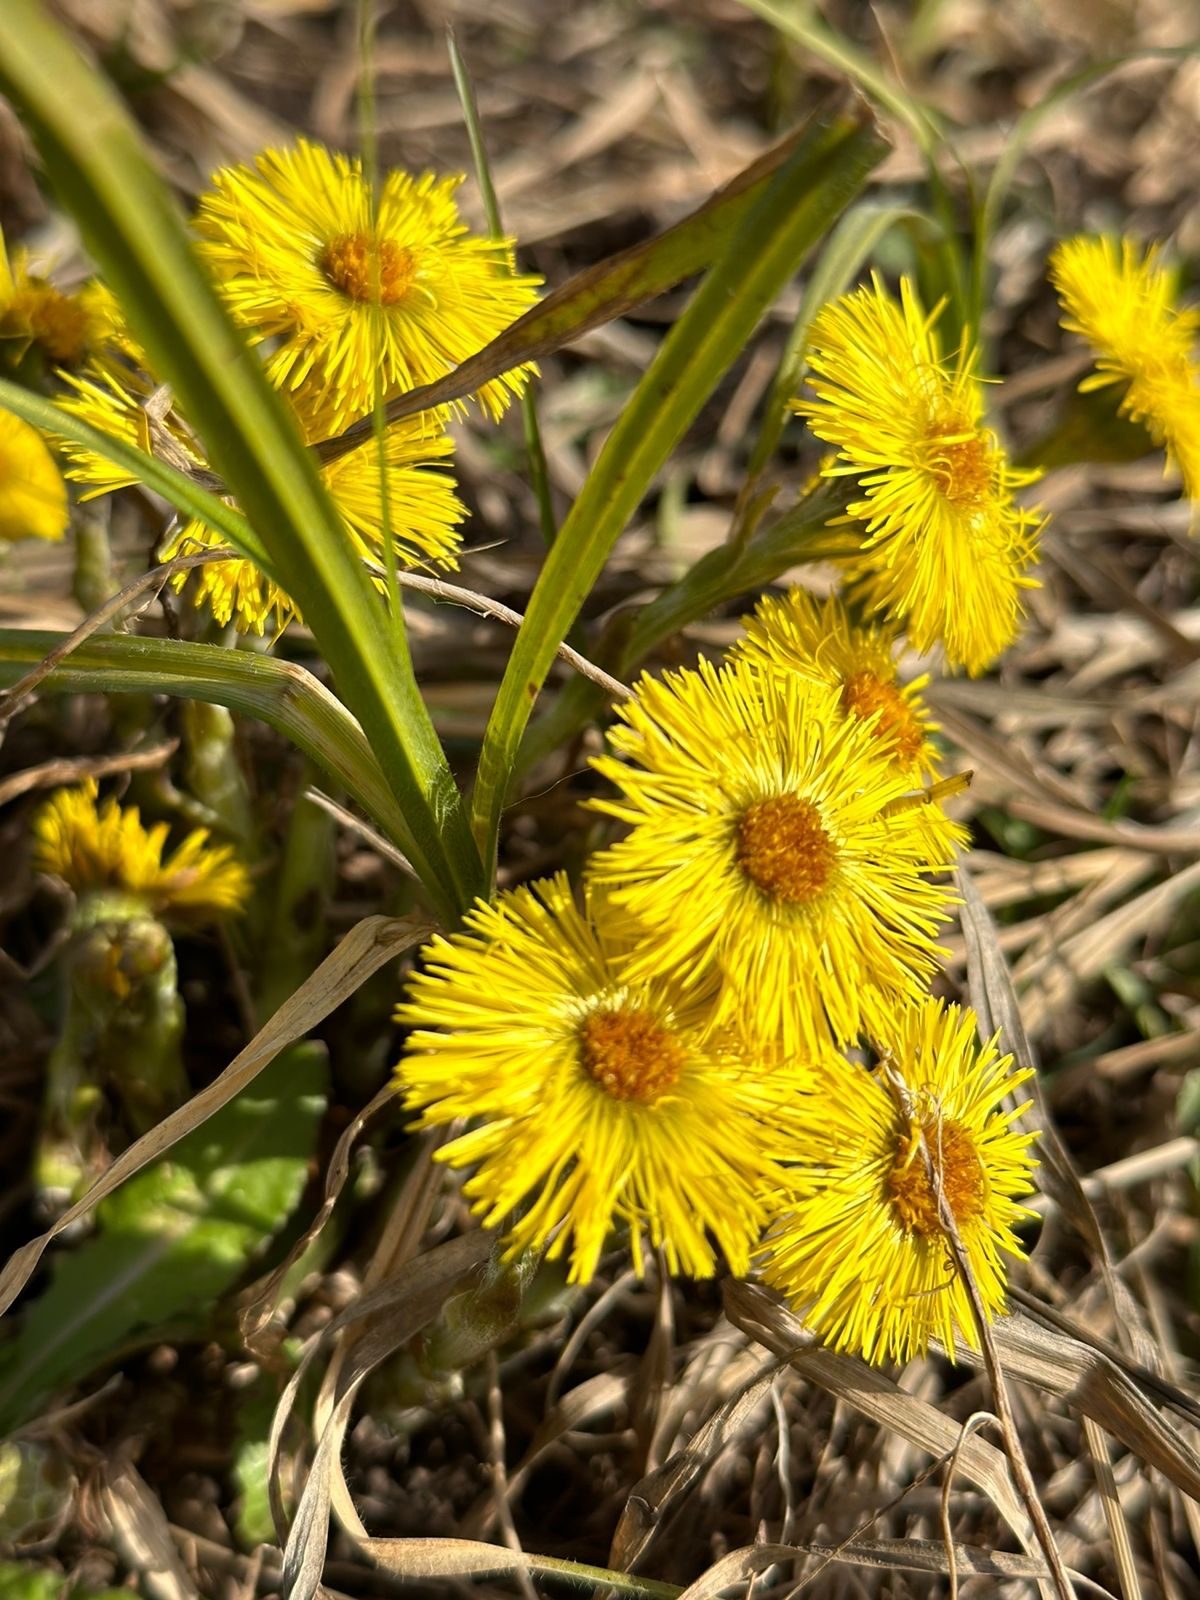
(49, 774)
(487, 607)
(12, 699)
(995, 1373)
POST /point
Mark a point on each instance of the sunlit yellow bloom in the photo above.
(1125, 304)
(67, 328)
(601, 1099)
(863, 1252)
(817, 639)
(776, 844)
(946, 549)
(117, 408)
(105, 847)
(423, 508)
(401, 296)
(33, 497)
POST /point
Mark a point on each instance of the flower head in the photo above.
(817, 639)
(354, 291)
(947, 550)
(66, 327)
(773, 844)
(33, 497)
(96, 847)
(863, 1252)
(423, 509)
(601, 1098)
(1125, 304)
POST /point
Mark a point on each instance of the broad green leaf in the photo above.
(20, 1581)
(134, 231)
(824, 172)
(173, 1239)
(600, 293)
(277, 692)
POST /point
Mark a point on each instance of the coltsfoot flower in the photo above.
(424, 511)
(96, 848)
(400, 291)
(817, 639)
(775, 845)
(863, 1253)
(33, 496)
(601, 1098)
(66, 327)
(947, 550)
(1125, 304)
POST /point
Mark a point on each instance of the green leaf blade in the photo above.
(826, 169)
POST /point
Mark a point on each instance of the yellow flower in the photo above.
(863, 1254)
(67, 328)
(351, 293)
(946, 550)
(816, 638)
(601, 1098)
(33, 497)
(423, 509)
(105, 847)
(1125, 304)
(775, 843)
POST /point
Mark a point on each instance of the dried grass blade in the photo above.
(366, 948)
(260, 1307)
(889, 1555)
(1114, 1516)
(651, 1499)
(995, 1003)
(1095, 1385)
(466, 1558)
(417, 1296)
(875, 1395)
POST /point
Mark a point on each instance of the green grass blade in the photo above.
(828, 167)
(988, 211)
(277, 692)
(599, 294)
(137, 236)
(187, 497)
(802, 23)
(539, 478)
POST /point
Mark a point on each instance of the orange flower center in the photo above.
(57, 322)
(864, 694)
(629, 1055)
(378, 271)
(784, 850)
(959, 1170)
(960, 459)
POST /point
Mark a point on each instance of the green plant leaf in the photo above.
(826, 169)
(20, 1581)
(279, 693)
(174, 1238)
(137, 236)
